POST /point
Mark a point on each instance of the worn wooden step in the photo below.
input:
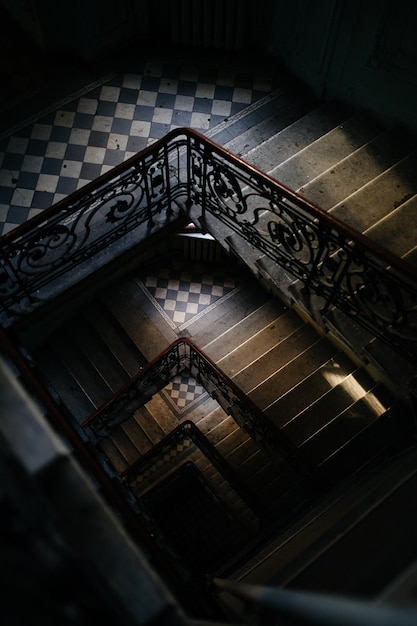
(115, 458)
(282, 380)
(310, 389)
(258, 343)
(137, 436)
(91, 346)
(259, 372)
(113, 335)
(60, 379)
(372, 552)
(396, 230)
(339, 399)
(130, 306)
(295, 137)
(148, 424)
(162, 413)
(380, 196)
(356, 169)
(329, 519)
(218, 321)
(92, 383)
(237, 334)
(325, 152)
(281, 110)
(345, 426)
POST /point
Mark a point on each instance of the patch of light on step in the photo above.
(353, 387)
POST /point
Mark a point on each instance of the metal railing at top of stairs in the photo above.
(73, 239)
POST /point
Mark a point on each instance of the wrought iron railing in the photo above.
(183, 355)
(188, 436)
(187, 172)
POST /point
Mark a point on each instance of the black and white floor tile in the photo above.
(42, 160)
(183, 393)
(182, 290)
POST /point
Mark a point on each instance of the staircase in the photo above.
(338, 415)
(345, 162)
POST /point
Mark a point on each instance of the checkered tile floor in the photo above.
(43, 161)
(184, 289)
(184, 392)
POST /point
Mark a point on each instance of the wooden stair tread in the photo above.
(357, 169)
(260, 342)
(298, 135)
(395, 231)
(98, 353)
(299, 357)
(326, 408)
(242, 328)
(149, 425)
(380, 196)
(72, 396)
(82, 370)
(330, 518)
(285, 109)
(127, 305)
(113, 454)
(325, 152)
(309, 389)
(119, 342)
(136, 435)
(338, 432)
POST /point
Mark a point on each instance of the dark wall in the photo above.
(363, 52)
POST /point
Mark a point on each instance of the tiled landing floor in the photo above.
(45, 159)
(182, 291)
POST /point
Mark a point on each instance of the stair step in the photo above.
(120, 344)
(223, 316)
(325, 152)
(125, 445)
(90, 344)
(260, 342)
(274, 116)
(162, 414)
(148, 424)
(258, 373)
(236, 335)
(395, 232)
(330, 519)
(380, 196)
(328, 407)
(339, 431)
(369, 547)
(357, 169)
(303, 364)
(222, 430)
(82, 370)
(310, 389)
(137, 436)
(295, 137)
(228, 445)
(113, 454)
(207, 414)
(63, 383)
(130, 307)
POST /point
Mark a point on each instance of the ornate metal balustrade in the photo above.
(187, 436)
(185, 171)
(183, 355)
